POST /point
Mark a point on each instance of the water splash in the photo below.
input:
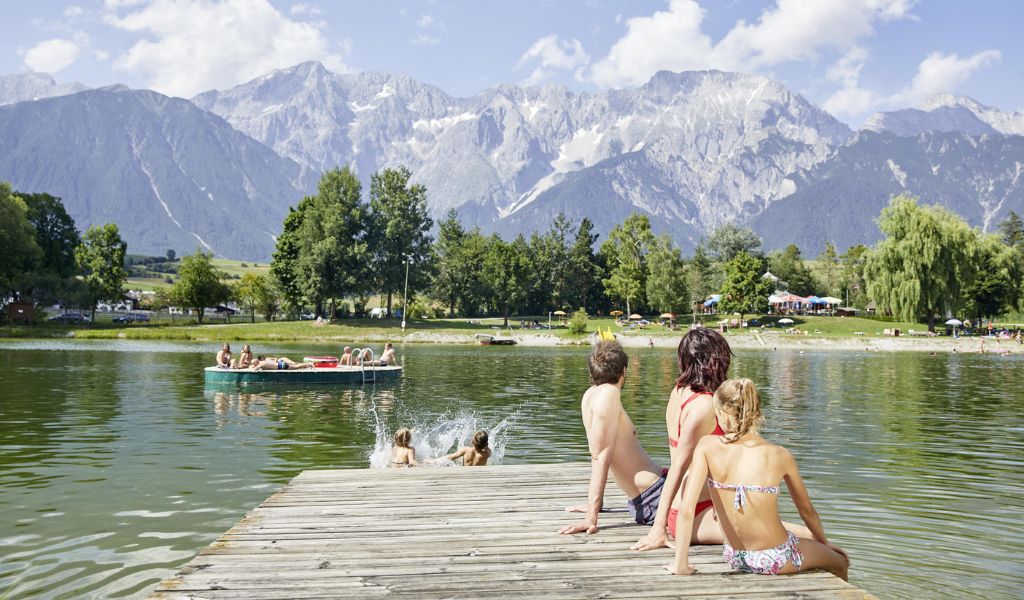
(438, 436)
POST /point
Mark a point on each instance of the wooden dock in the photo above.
(455, 532)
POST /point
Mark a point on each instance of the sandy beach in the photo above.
(751, 341)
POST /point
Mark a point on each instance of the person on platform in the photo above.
(614, 445)
(743, 472)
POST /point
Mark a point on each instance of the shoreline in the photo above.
(742, 341)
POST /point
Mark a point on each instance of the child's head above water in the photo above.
(403, 437)
(607, 363)
(739, 408)
(480, 440)
(704, 358)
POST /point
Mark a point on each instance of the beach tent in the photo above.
(814, 300)
(954, 322)
(635, 317)
(832, 301)
(559, 313)
(786, 321)
(712, 299)
(616, 313)
(667, 316)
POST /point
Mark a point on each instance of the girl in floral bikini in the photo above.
(743, 472)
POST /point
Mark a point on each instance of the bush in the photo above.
(578, 322)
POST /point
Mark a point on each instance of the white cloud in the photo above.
(305, 9)
(791, 30)
(937, 73)
(73, 11)
(940, 72)
(425, 39)
(553, 55)
(101, 55)
(196, 45)
(425, 21)
(52, 55)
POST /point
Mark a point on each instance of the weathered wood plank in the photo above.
(454, 533)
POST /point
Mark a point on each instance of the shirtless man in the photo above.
(388, 356)
(614, 445)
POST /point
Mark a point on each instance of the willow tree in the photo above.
(924, 263)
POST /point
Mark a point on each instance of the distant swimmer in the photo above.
(403, 454)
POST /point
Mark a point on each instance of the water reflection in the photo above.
(118, 464)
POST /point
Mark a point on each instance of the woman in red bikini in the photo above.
(704, 358)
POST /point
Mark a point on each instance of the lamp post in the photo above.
(405, 294)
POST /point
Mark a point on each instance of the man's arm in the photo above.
(601, 434)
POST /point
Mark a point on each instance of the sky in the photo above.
(850, 57)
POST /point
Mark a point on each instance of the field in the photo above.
(155, 280)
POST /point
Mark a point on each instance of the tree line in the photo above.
(337, 251)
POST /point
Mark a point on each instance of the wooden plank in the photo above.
(454, 533)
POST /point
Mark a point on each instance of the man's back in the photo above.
(607, 424)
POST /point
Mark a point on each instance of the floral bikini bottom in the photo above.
(768, 561)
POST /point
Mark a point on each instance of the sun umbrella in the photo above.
(954, 322)
(667, 316)
(615, 313)
(559, 313)
(635, 317)
(786, 321)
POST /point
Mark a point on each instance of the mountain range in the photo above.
(693, 150)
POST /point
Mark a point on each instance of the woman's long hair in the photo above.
(704, 358)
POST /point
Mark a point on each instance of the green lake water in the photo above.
(117, 465)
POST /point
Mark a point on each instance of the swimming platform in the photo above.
(456, 532)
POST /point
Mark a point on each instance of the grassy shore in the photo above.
(806, 332)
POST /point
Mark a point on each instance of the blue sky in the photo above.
(852, 57)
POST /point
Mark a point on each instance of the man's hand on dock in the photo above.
(654, 539)
(581, 527)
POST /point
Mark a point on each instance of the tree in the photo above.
(248, 292)
(506, 271)
(268, 300)
(1011, 229)
(666, 284)
(400, 226)
(449, 272)
(284, 265)
(56, 233)
(171, 255)
(829, 261)
(100, 257)
(789, 266)
(997, 285)
(924, 263)
(745, 290)
(332, 258)
(199, 284)
(702, 278)
(729, 240)
(582, 272)
(852, 275)
(626, 252)
(21, 252)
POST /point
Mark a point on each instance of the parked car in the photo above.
(70, 318)
(132, 318)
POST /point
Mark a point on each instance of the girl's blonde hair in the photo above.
(739, 400)
(402, 437)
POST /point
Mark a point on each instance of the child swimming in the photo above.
(743, 471)
(472, 456)
(403, 454)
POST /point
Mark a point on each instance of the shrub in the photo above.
(578, 322)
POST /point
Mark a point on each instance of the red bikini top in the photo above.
(679, 424)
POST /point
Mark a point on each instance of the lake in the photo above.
(118, 466)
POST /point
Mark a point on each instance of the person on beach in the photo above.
(268, 363)
(743, 471)
(346, 357)
(614, 445)
(403, 454)
(472, 456)
(224, 356)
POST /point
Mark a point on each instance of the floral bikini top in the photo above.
(741, 490)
